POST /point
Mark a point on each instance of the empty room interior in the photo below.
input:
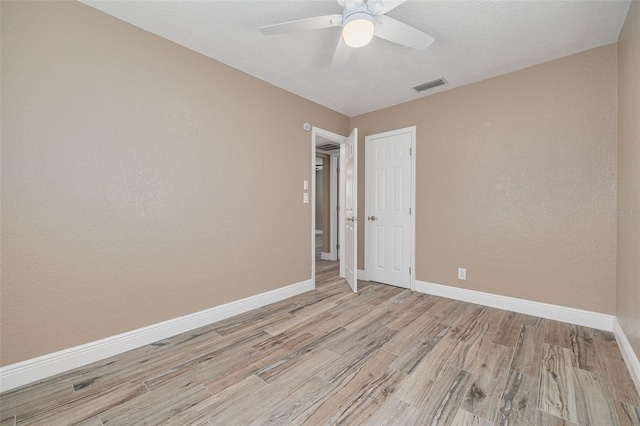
(320, 212)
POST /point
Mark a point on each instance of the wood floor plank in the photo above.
(444, 399)
(347, 366)
(476, 313)
(297, 322)
(233, 340)
(299, 356)
(519, 401)
(85, 407)
(465, 418)
(584, 350)
(534, 321)
(618, 376)
(374, 379)
(420, 382)
(296, 402)
(415, 340)
(372, 398)
(509, 329)
(8, 420)
(199, 370)
(528, 352)
(410, 311)
(453, 313)
(473, 346)
(223, 379)
(559, 333)
(372, 336)
(270, 396)
(200, 413)
(22, 403)
(593, 399)
(557, 394)
(93, 421)
(154, 408)
(375, 317)
(394, 412)
(130, 372)
(404, 301)
(250, 321)
(485, 392)
(628, 415)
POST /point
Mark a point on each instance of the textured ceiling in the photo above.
(475, 40)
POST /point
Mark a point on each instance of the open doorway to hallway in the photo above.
(327, 248)
(327, 226)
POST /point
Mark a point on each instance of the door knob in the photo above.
(372, 218)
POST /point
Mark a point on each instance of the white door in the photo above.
(388, 204)
(351, 210)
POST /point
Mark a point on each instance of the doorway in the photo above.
(326, 248)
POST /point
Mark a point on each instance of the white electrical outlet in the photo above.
(462, 273)
(305, 197)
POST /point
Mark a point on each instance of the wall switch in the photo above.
(305, 184)
(305, 198)
(462, 273)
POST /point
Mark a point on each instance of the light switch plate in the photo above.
(305, 185)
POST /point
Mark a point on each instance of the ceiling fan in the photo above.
(360, 21)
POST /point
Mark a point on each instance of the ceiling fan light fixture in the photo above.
(358, 29)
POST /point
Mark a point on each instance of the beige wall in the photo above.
(515, 176)
(628, 271)
(137, 180)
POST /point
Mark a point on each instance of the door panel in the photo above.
(389, 200)
(351, 210)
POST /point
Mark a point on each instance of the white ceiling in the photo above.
(475, 40)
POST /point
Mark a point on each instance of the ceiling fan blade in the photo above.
(307, 24)
(398, 32)
(389, 5)
(341, 54)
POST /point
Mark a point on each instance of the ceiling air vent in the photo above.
(328, 147)
(429, 84)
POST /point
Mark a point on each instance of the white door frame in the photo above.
(333, 253)
(339, 139)
(412, 221)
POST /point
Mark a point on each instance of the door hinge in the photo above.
(410, 151)
(409, 211)
(338, 246)
(409, 270)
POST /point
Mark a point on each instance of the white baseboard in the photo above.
(31, 370)
(539, 309)
(326, 256)
(629, 355)
(318, 231)
(361, 275)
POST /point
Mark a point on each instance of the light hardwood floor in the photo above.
(383, 356)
